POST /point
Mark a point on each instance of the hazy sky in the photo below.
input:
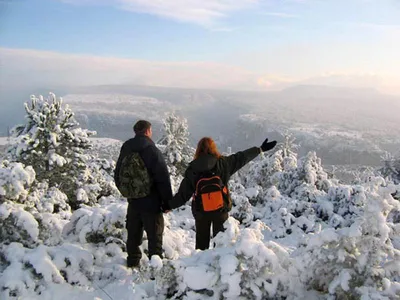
(241, 44)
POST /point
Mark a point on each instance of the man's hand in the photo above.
(267, 145)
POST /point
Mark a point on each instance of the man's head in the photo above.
(143, 127)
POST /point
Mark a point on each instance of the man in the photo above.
(146, 212)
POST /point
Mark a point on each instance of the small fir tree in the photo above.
(52, 143)
(175, 140)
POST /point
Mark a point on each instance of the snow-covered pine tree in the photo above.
(175, 140)
(30, 211)
(288, 146)
(283, 159)
(360, 260)
(52, 143)
(97, 180)
(391, 167)
(305, 180)
(284, 191)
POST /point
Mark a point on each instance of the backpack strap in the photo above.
(215, 176)
(210, 173)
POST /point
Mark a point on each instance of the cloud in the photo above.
(378, 27)
(33, 69)
(358, 80)
(280, 15)
(201, 12)
(275, 82)
(46, 69)
(263, 82)
(224, 29)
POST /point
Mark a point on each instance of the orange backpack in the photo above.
(211, 193)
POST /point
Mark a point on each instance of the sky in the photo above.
(228, 44)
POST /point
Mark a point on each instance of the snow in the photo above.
(156, 262)
(54, 158)
(198, 278)
(244, 262)
(228, 263)
(27, 222)
(252, 192)
(342, 280)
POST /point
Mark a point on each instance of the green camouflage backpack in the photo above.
(135, 181)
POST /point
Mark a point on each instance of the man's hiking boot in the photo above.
(132, 263)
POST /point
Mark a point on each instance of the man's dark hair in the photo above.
(141, 126)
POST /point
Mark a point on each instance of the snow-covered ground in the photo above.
(92, 271)
(293, 233)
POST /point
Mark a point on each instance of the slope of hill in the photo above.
(343, 107)
(344, 125)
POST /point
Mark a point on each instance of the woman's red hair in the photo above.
(207, 146)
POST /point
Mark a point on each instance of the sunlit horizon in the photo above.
(240, 45)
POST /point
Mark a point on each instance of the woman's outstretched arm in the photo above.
(240, 159)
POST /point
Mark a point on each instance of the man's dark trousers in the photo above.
(136, 222)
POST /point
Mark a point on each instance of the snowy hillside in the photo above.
(335, 122)
(294, 232)
(112, 105)
(106, 148)
(312, 113)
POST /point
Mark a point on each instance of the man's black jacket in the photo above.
(161, 192)
(224, 166)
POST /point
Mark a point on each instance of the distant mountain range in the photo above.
(354, 109)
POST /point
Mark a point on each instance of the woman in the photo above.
(206, 179)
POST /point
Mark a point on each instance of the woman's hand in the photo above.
(266, 146)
